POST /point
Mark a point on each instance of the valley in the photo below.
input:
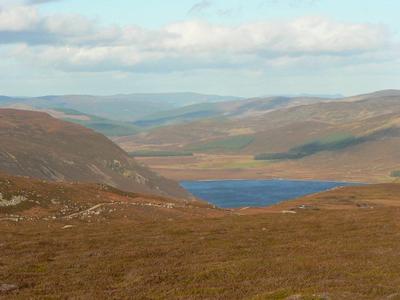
(323, 167)
(199, 150)
(303, 141)
(83, 215)
(217, 137)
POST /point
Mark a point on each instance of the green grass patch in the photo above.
(180, 115)
(102, 125)
(329, 143)
(210, 107)
(151, 153)
(395, 173)
(107, 127)
(70, 111)
(233, 143)
(335, 138)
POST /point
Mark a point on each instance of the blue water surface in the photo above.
(256, 193)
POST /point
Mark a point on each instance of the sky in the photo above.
(243, 48)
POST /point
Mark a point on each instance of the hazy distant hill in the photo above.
(118, 107)
(36, 145)
(108, 127)
(227, 109)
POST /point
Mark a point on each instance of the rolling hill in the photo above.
(362, 133)
(124, 115)
(355, 115)
(227, 109)
(37, 145)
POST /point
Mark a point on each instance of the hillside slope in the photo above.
(30, 199)
(293, 125)
(36, 145)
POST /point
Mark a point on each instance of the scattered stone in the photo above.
(324, 296)
(363, 205)
(13, 219)
(13, 201)
(5, 288)
(294, 297)
(310, 207)
(68, 226)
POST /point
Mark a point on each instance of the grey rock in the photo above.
(5, 288)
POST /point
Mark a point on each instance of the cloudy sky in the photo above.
(235, 47)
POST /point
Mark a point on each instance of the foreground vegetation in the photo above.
(329, 255)
(337, 245)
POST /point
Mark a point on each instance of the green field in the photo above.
(233, 143)
(107, 127)
(330, 143)
(151, 153)
(395, 173)
(180, 115)
(102, 125)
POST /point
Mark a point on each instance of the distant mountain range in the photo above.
(117, 107)
(110, 115)
(331, 96)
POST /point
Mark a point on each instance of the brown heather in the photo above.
(343, 244)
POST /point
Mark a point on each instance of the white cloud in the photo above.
(75, 43)
(17, 19)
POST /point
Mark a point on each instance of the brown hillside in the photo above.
(36, 145)
(349, 252)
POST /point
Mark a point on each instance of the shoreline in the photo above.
(275, 179)
(213, 167)
(249, 174)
